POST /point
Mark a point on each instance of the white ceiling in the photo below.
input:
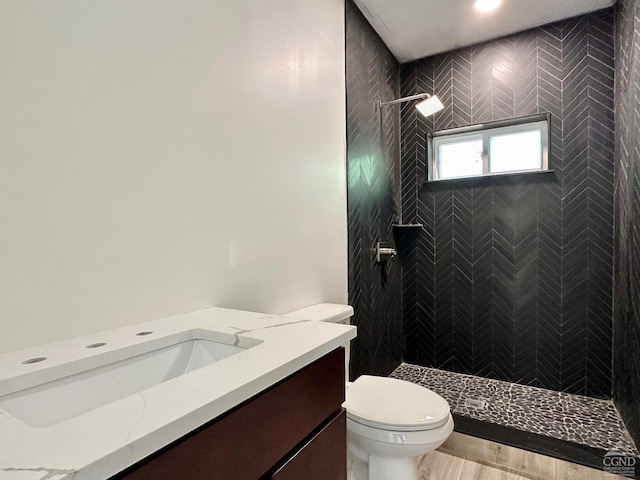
(415, 29)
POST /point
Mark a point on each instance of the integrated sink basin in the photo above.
(49, 395)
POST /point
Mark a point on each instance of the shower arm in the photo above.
(406, 99)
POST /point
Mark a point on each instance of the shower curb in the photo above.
(552, 447)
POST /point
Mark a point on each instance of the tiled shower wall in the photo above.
(373, 172)
(511, 277)
(626, 384)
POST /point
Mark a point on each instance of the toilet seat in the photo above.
(396, 405)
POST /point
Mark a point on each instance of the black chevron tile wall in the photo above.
(373, 173)
(511, 277)
(626, 320)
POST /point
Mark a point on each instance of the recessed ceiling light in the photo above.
(487, 5)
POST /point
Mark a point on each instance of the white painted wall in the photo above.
(160, 156)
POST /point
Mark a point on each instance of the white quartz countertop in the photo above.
(104, 441)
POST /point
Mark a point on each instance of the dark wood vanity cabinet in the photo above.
(323, 457)
(294, 430)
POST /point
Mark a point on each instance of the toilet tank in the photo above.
(328, 312)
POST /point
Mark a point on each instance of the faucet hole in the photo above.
(34, 360)
(96, 345)
(142, 334)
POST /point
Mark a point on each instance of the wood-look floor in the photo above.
(464, 457)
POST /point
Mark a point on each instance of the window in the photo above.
(497, 148)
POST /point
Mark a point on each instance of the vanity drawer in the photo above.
(248, 441)
(323, 457)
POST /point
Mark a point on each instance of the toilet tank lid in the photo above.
(323, 312)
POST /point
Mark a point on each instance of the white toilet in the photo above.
(389, 422)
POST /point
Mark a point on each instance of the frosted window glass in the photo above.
(460, 159)
(515, 151)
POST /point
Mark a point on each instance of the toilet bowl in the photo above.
(390, 422)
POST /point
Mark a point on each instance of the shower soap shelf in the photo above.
(407, 225)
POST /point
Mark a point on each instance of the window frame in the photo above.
(486, 131)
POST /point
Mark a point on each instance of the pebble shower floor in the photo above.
(574, 418)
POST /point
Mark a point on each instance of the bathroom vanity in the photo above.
(215, 394)
(295, 430)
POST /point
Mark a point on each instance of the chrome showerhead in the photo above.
(430, 106)
(427, 107)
